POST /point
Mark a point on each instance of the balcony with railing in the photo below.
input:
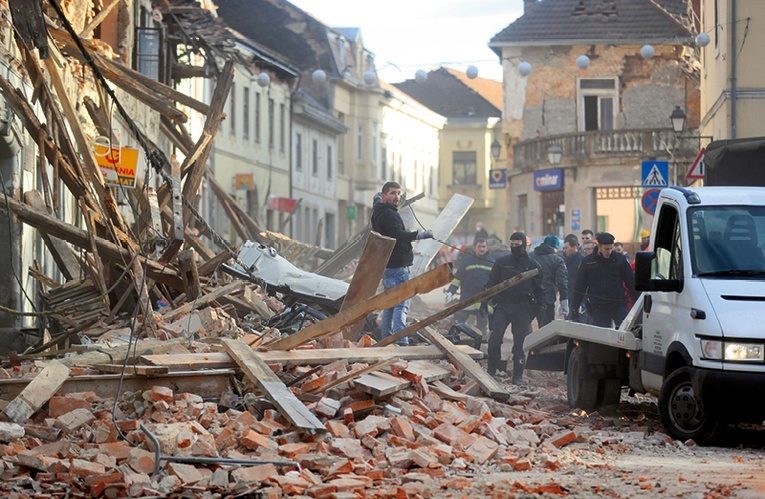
(581, 148)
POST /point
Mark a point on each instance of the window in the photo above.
(464, 167)
(271, 123)
(597, 104)
(299, 152)
(717, 28)
(360, 143)
(282, 122)
(341, 146)
(384, 164)
(315, 157)
(148, 53)
(329, 163)
(246, 113)
(232, 114)
(668, 245)
(374, 142)
(257, 117)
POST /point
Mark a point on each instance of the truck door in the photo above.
(668, 313)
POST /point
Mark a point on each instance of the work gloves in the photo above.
(484, 310)
(563, 308)
(448, 297)
(425, 234)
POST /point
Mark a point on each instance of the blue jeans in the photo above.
(394, 319)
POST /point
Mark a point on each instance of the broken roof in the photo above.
(551, 22)
(452, 94)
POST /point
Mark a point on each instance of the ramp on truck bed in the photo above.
(546, 347)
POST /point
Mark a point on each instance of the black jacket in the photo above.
(572, 266)
(606, 281)
(387, 221)
(554, 273)
(510, 266)
(472, 274)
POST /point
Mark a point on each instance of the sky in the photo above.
(407, 35)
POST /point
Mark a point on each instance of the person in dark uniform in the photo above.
(607, 280)
(573, 257)
(514, 306)
(470, 278)
(554, 278)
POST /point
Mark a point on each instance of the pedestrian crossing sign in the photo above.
(655, 173)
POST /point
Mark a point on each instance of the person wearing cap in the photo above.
(470, 278)
(645, 240)
(554, 278)
(514, 306)
(387, 221)
(607, 281)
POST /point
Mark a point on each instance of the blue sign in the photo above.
(548, 180)
(650, 198)
(498, 178)
(655, 173)
(576, 219)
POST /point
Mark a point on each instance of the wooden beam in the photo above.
(138, 370)
(219, 360)
(79, 237)
(98, 19)
(187, 265)
(367, 276)
(282, 397)
(177, 211)
(214, 118)
(424, 283)
(252, 225)
(61, 252)
(426, 249)
(355, 374)
(483, 295)
(207, 384)
(214, 263)
(232, 288)
(37, 393)
(487, 383)
(381, 384)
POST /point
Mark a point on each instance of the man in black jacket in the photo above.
(554, 278)
(573, 257)
(604, 276)
(514, 306)
(387, 221)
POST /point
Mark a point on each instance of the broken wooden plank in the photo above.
(381, 384)
(212, 264)
(426, 249)
(98, 19)
(355, 374)
(240, 214)
(62, 254)
(440, 276)
(207, 384)
(138, 370)
(282, 397)
(177, 210)
(232, 288)
(427, 370)
(37, 392)
(444, 391)
(483, 295)
(367, 276)
(488, 384)
(219, 360)
(187, 266)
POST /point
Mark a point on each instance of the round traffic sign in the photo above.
(650, 198)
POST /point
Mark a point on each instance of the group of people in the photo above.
(591, 282)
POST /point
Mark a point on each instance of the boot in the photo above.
(518, 373)
(493, 365)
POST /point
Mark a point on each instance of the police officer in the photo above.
(514, 306)
(603, 278)
(554, 278)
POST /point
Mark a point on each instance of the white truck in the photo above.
(696, 336)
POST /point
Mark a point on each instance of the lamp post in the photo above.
(496, 149)
(678, 125)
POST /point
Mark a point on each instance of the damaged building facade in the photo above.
(595, 84)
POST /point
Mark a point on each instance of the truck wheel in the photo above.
(581, 389)
(611, 392)
(682, 414)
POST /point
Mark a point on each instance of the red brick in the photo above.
(161, 393)
(259, 473)
(337, 429)
(61, 404)
(83, 468)
(402, 428)
(562, 439)
(522, 465)
(254, 440)
(186, 473)
(141, 460)
(453, 436)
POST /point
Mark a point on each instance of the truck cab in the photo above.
(703, 316)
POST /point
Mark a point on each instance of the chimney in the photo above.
(528, 5)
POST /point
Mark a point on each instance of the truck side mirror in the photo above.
(646, 270)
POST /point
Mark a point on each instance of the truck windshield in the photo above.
(728, 241)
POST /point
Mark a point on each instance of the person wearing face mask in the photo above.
(607, 281)
(514, 306)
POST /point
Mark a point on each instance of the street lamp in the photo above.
(554, 154)
(678, 120)
(496, 149)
